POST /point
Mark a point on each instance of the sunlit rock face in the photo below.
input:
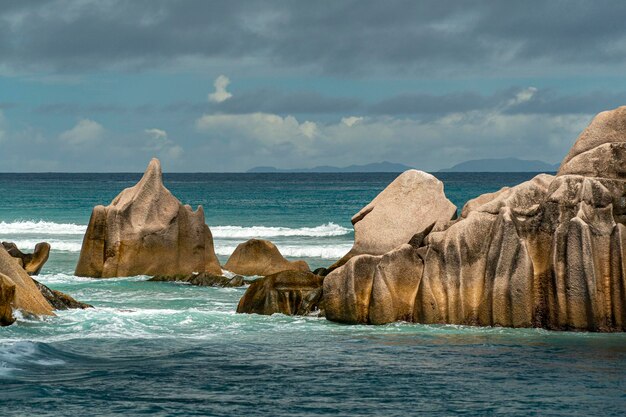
(412, 203)
(147, 231)
(18, 291)
(549, 252)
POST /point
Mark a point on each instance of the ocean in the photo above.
(153, 348)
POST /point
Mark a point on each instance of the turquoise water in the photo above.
(171, 349)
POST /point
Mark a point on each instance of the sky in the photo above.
(223, 86)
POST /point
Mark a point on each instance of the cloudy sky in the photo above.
(103, 85)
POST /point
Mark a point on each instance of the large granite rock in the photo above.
(286, 292)
(550, 252)
(31, 262)
(260, 257)
(147, 231)
(413, 202)
(18, 291)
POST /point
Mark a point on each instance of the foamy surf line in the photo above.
(232, 232)
(42, 227)
(300, 251)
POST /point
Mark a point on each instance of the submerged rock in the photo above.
(31, 262)
(18, 290)
(413, 202)
(260, 257)
(146, 231)
(202, 280)
(59, 300)
(550, 252)
(286, 292)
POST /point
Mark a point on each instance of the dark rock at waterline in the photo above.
(31, 262)
(202, 280)
(321, 272)
(286, 292)
(59, 300)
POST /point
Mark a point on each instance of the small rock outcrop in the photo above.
(202, 280)
(18, 291)
(550, 252)
(413, 202)
(260, 257)
(147, 231)
(286, 292)
(59, 300)
(31, 262)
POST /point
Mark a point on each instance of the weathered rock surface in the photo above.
(18, 290)
(550, 252)
(374, 289)
(31, 262)
(286, 292)
(202, 280)
(59, 300)
(260, 257)
(412, 203)
(147, 231)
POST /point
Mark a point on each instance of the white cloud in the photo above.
(523, 96)
(429, 144)
(86, 131)
(220, 93)
(160, 145)
(266, 128)
(351, 121)
(157, 134)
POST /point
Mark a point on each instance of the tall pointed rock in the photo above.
(147, 231)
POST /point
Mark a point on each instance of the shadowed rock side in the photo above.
(59, 300)
(549, 252)
(147, 231)
(31, 262)
(18, 290)
(412, 203)
(287, 292)
(260, 257)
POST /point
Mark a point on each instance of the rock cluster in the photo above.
(550, 252)
(147, 231)
(260, 257)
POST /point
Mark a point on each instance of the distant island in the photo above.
(503, 165)
(373, 167)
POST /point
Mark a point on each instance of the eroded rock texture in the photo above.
(260, 257)
(147, 231)
(549, 252)
(31, 262)
(286, 292)
(412, 203)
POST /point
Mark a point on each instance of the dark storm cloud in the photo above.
(336, 37)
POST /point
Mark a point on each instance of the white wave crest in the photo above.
(41, 227)
(299, 251)
(240, 232)
(55, 245)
